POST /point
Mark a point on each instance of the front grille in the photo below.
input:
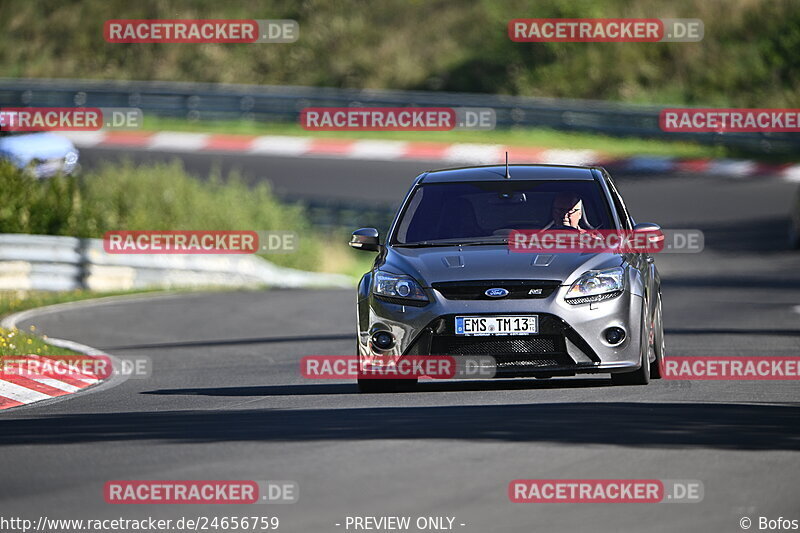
(537, 361)
(517, 289)
(457, 345)
(509, 353)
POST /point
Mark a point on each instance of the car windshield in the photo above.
(486, 212)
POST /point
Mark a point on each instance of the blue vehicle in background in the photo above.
(41, 154)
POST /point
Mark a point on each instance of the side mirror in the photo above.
(655, 235)
(365, 239)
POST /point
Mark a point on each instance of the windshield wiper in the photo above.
(425, 244)
(483, 243)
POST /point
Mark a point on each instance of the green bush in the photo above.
(748, 57)
(153, 197)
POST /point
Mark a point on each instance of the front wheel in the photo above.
(641, 376)
(373, 386)
(794, 235)
(658, 342)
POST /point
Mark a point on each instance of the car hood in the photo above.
(36, 145)
(472, 263)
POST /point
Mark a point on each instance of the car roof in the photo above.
(517, 172)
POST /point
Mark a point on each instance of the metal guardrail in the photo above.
(343, 217)
(284, 103)
(50, 263)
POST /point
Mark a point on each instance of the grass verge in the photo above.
(15, 343)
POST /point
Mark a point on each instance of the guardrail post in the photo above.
(84, 263)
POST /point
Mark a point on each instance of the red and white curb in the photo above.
(17, 391)
(466, 153)
(29, 388)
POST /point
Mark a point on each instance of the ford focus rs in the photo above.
(447, 283)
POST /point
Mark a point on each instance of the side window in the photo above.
(619, 205)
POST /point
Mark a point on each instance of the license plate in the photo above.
(497, 325)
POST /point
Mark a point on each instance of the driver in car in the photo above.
(567, 212)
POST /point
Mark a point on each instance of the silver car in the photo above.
(445, 281)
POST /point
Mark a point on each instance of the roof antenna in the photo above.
(508, 174)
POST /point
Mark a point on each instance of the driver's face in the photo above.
(567, 212)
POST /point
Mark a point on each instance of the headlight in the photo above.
(596, 285)
(395, 286)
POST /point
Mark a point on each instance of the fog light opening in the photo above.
(382, 340)
(614, 335)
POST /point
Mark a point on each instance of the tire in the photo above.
(377, 386)
(374, 386)
(658, 342)
(640, 376)
(794, 235)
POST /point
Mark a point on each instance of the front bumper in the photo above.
(570, 338)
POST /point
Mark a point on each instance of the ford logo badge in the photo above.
(496, 293)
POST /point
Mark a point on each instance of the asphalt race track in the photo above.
(226, 400)
(316, 178)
